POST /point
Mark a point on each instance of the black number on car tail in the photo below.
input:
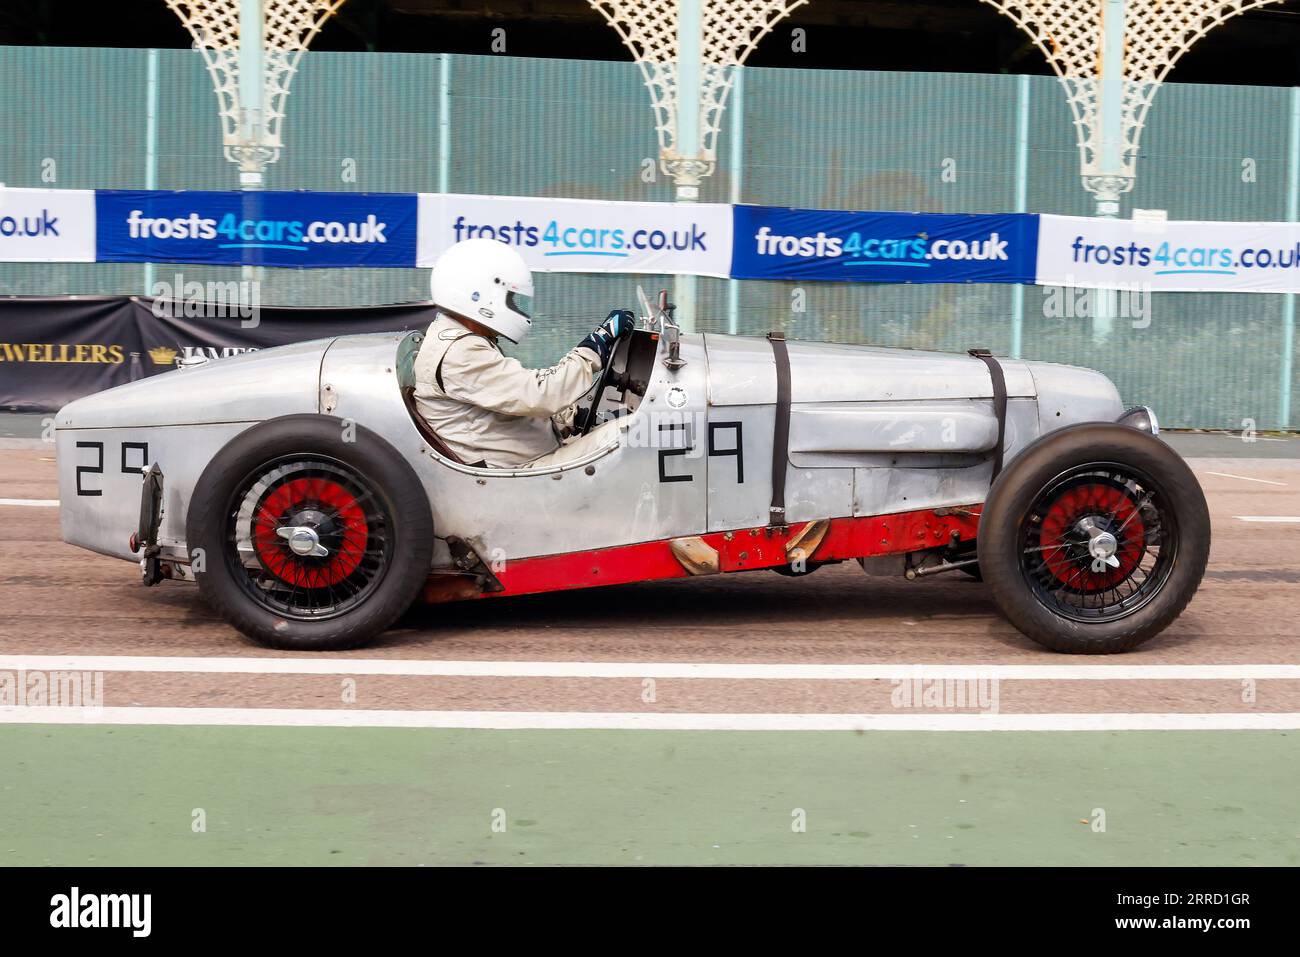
(96, 469)
(143, 449)
(664, 453)
(737, 450)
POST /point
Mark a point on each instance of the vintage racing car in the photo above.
(312, 505)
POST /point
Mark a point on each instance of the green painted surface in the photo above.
(99, 795)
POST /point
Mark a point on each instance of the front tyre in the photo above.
(1094, 539)
(311, 541)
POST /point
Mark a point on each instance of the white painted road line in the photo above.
(31, 502)
(320, 665)
(1270, 519)
(1245, 441)
(634, 721)
(1246, 478)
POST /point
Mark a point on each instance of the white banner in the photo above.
(581, 235)
(47, 225)
(1174, 256)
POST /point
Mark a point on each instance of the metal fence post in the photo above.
(737, 172)
(1288, 304)
(1022, 199)
(444, 123)
(690, 41)
(151, 147)
(252, 81)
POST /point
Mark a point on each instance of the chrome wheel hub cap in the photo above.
(303, 540)
(1102, 546)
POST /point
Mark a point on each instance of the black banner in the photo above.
(336, 909)
(56, 349)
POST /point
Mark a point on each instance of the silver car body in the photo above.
(872, 432)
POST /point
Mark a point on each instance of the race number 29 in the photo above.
(97, 468)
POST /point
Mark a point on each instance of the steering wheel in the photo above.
(619, 353)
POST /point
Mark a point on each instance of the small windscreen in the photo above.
(518, 303)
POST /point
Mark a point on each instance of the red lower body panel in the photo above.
(738, 550)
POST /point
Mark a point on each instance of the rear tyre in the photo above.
(1094, 539)
(310, 541)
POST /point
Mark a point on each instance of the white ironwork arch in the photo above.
(251, 49)
(1111, 57)
(688, 51)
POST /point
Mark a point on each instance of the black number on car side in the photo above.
(127, 467)
(664, 453)
(143, 449)
(737, 450)
(96, 469)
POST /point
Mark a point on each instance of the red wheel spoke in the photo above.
(342, 515)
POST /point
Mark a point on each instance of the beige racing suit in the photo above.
(491, 410)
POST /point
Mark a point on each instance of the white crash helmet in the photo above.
(487, 281)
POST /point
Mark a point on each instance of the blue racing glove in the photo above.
(618, 325)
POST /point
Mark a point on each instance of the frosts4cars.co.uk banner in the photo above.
(843, 246)
(256, 228)
(582, 235)
(47, 225)
(1171, 256)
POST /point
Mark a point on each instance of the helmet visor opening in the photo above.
(520, 304)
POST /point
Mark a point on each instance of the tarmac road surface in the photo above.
(691, 692)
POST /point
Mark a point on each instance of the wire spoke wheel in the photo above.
(1098, 542)
(313, 537)
(308, 538)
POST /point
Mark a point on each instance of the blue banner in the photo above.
(776, 243)
(256, 228)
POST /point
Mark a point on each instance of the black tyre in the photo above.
(310, 539)
(1094, 539)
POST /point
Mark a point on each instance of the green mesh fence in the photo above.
(78, 118)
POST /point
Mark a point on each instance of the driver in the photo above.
(488, 408)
